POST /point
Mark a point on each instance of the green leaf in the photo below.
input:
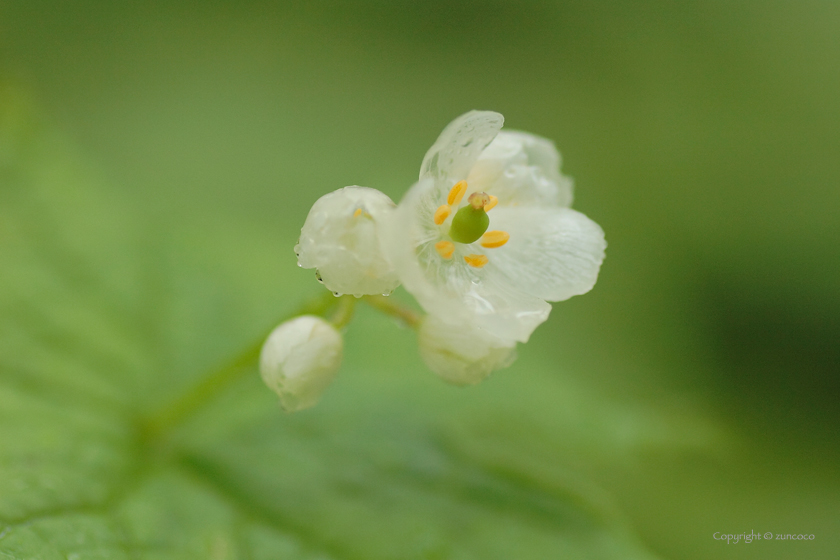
(107, 315)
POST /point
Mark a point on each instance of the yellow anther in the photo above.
(445, 249)
(357, 213)
(492, 204)
(442, 213)
(494, 239)
(476, 261)
(457, 193)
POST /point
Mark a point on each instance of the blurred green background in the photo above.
(696, 386)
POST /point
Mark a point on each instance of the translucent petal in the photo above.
(553, 253)
(521, 170)
(461, 354)
(339, 239)
(450, 288)
(459, 145)
(300, 359)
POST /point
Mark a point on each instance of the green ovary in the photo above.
(469, 224)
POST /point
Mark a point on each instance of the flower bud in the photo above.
(300, 359)
(462, 354)
(340, 241)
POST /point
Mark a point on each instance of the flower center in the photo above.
(471, 221)
(469, 224)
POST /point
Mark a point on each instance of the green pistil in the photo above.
(469, 224)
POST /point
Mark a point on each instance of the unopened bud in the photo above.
(339, 239)
(300, 359)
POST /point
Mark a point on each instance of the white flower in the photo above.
(486, 237)
(339, 239)
(462, 355)
(300, 359)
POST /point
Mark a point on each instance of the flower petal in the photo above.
(461, 354)
(521, 169)
(553, 253)
(449, 288)
(459, 146)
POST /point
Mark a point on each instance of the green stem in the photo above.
(171, 416)
(216, 382)
(344, 312)
(390, 307)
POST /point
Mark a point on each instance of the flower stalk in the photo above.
(216, 382)
(340, 312)
(408, 317)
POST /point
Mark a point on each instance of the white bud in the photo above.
(462, 354)
(340, 241)
(300, 359)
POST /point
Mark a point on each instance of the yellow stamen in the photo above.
(494, 239)
(445, 249)
(442, 213)
(492, 204)
(457, 193)
(476, 261)
(357, 213)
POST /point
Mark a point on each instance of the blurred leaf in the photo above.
(105, 316)
(702, 136)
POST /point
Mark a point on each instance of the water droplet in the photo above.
(336, 294)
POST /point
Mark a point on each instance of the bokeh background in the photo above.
(695, 388)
